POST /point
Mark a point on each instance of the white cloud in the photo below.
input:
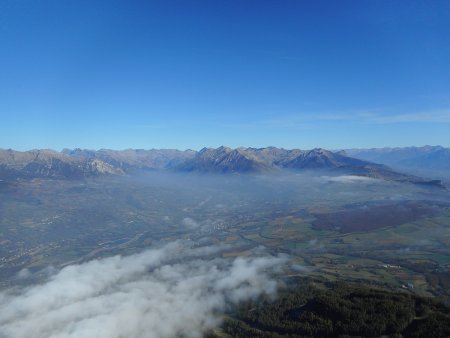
(347, 179)
(158, 293)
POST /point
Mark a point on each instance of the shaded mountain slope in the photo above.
(224, 160)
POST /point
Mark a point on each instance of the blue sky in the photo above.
(187, 74)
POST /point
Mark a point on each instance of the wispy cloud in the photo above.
(376, 116)
(308, 120)
(433, 116)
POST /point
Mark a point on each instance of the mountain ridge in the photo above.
(79, 163)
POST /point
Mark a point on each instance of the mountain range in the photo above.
(432, 161)
(80, 163)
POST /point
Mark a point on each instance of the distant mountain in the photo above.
(225, 160)
(78, 163)
(339, 162)
(272, 155)
(251, 160)
(132, 159)
(50, 164)
(246, 160)
(433, 161)
(321, 159)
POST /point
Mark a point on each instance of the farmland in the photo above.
(384, 233)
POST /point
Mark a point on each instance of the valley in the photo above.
(371, 231)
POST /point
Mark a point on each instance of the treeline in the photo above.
(339, 311)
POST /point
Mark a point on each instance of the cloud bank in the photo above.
(165, 292)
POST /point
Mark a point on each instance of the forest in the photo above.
(339, 310)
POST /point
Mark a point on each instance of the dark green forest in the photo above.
(339, 310)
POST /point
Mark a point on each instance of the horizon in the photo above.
(118, 74)
(225, 146)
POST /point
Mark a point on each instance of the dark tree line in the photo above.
(343, 310)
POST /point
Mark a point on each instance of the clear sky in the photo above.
(187, 74)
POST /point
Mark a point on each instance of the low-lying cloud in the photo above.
(190, 223)
(347, 179)
(165, 292)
